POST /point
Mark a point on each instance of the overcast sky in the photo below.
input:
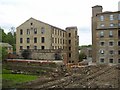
(60, 13)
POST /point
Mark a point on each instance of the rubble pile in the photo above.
(87, 77)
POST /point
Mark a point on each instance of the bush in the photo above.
(26, 54)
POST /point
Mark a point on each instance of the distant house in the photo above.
(8, 47)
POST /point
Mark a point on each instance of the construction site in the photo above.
(66, 76)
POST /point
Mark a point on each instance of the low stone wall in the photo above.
(48, 54)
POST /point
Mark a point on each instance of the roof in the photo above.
(108, 12)
(96, 6)
(40, 22)
(5, 44)
(72, 27)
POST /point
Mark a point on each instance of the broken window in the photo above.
(111, 43)
(118, 43)
(102, 60)
(111, 60)
(102, 43)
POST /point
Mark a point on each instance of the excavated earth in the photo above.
(97, 76)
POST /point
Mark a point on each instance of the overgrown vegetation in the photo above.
(82, 56)
(26, 54)
(14, 80)
(3, 52)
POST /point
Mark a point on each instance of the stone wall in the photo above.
(48, 54)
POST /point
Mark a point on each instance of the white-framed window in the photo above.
(111, 17)
(101, 18)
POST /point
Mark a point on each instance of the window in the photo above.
(111, 60)
(102, 25)
(119, 34)
(101, 51)
(69, 34)
(110, 34)
(118, 24)
(42, 47)
(58, 40)
(118, 60)
(111, 52)
(118, 16)
(35, 40)
(63, 41)
(118, 43)
(28, 47)
(55, 40)
(21, 40)
(35, 30)
(63, 34)
(21, 47)
(69, 48)
(31, 23)
(118, 52)
(111, 43)
(42, 39)
(60, 33)
(69, 55)
(102, 60)
(69, 41)
(21, 31)
(28, 31)
(35, 47)
(111, 17)
(111, 24)
(52, 40)
(28, 40)
(101, 18)
(102, 43)
(101, 34)
(42, 30)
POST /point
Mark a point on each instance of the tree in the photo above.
(82, 56)
(4, 52)
(3, 34)
(8, 38)
(26, 54)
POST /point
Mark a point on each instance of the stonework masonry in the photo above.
(37, 35)
(105, 36)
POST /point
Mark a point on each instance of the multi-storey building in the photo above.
(105, 36)
(36, 35)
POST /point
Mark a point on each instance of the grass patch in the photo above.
(16, 79)
(5, 71)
